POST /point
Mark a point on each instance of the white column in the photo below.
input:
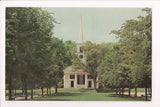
(86, 80)
(75, 81)
(92, 84)
(97, 83)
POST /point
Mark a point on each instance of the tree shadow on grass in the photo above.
(85, 90)
(57, 97)
(66, 94)
(126, 96)
(51, 99)
(44, 99)
(105, 91)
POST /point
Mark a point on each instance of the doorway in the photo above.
(89, 84)
(81, 79)
(72, 84)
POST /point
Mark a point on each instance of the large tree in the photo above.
(70, 47)
(28, 33)
(94, 55)
(134, 54)
(58, 61)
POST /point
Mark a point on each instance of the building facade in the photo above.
(78, 78)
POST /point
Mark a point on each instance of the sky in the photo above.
(97, 23)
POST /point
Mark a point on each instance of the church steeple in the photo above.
(80, 52)
(80, 33)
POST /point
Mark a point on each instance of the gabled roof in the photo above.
(71, 70)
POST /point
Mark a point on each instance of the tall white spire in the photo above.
(80, 33)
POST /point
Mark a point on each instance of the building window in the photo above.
(81, 79)
(89, 76)
(72, 76)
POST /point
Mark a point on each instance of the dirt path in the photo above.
(23, 98)
(139, 94)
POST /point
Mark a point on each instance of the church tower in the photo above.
(78, 78)
(80, 52)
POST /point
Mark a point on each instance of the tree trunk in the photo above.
(50, 91)
(47, 91)
(129, 91)
(15, 92)
(56, 89)
(32, 93)
(10, 94)
(116, 90)
(10, 88)
(119, 91)
(25, 90)
(122, 91)
(22, 91)
(42, 92)
(149, 90)
(146, 94)
(26, 94)
(135, 92)
(94, 80)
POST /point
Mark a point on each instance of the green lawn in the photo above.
(80, 95)
(138, 90)
(85, 95)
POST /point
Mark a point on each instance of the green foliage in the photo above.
(28, 38)
(94, 55)
(129, 63)
(70, 47)
(58, 54)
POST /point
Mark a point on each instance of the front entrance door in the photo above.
(81, 80)
(89, 84)
(72, 83)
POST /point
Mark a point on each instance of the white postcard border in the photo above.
(155, 5)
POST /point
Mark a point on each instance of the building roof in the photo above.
(71, 70)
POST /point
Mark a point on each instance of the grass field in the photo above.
(138, 90)
(85, 95)
(81, 95)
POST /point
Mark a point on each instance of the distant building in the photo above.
(78, 78)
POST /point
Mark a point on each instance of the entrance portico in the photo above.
(77, 79)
